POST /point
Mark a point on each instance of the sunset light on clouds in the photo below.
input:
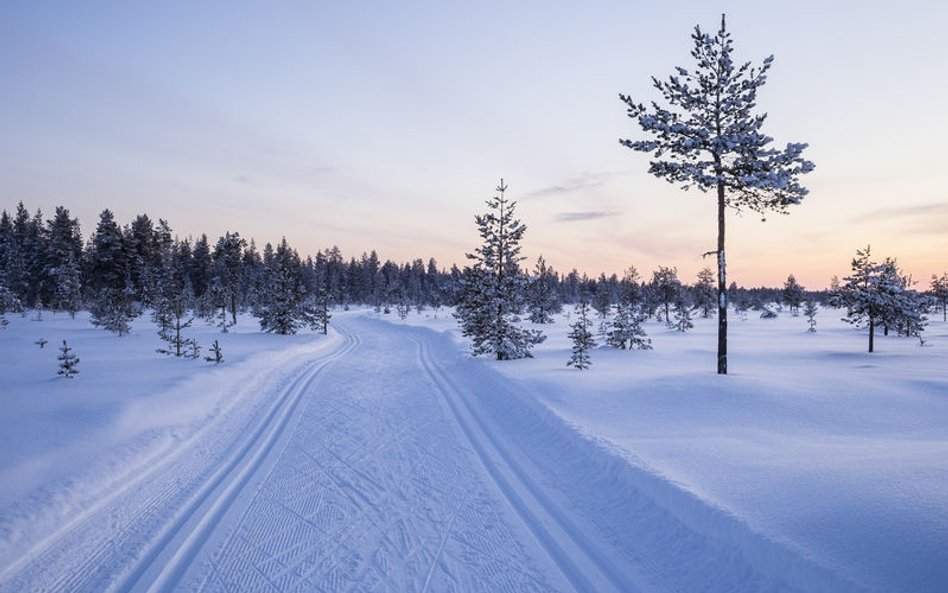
(385, 126)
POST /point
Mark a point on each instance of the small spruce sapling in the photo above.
(682, 316)
(68, 361)
(809, 310)
(403, 308)
(582, 337)
(217, 353)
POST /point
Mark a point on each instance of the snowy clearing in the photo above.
(383, 458)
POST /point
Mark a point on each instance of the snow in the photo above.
(382, 457)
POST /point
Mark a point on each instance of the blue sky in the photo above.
(387, 125)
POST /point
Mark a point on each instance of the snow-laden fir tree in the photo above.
(704, 294)
(403, 308)
(172, 315)
(320, 311)
(682, 311)
(68, 362)
(225, 278)
(113, 310)
(627, 331)
(939, 290)
(8, 301)
(709, 136)
(630, 288)
(810, 310)
(543, 300)
(493, 288)
(112, 303)
(62, 263)
(68, 291)
(582, 337)
(665, 290)
(793, 294)
(876, 294)
(910, 318)
(283, 306)
(602, 298)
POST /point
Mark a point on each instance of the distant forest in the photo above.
(124, 270)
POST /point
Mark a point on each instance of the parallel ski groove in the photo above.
(222, 488)
(551, 528)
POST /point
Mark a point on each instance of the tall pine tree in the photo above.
(710, 137)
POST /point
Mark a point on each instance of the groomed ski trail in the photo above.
(128, 532)
(583, 563)
(195, 521)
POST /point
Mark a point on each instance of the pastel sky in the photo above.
(386, 125)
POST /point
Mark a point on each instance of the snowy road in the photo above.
(388, 461)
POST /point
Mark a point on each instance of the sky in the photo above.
(387, 125)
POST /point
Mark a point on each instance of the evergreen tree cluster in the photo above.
(877, 294)
(121, 272)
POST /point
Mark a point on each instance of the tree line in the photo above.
(122, 271)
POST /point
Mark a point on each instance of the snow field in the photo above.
(384, 458)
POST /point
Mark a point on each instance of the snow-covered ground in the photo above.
(383, 458)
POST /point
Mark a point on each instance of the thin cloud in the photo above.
(573, 185)
(925, 216)
(579, 216)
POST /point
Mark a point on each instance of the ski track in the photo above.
(375, 491)
(391, 463)
(577, 559)
(83, 556)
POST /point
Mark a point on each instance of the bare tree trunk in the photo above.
(722, 287)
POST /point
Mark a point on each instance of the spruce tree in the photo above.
(8, 300)
(627, 331)
(68, 362)
(172, 298)
(683, 315)
(666, 288)
(582, 338)
(543, 299)
(793, 294)
(225, 277)
(709, 136)
(493, 288)
(939, 290)
(112, 303)
(321, 311)
(810, 310)
(282, 307)
(704, 293)
(217, 353)
(63, 263)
